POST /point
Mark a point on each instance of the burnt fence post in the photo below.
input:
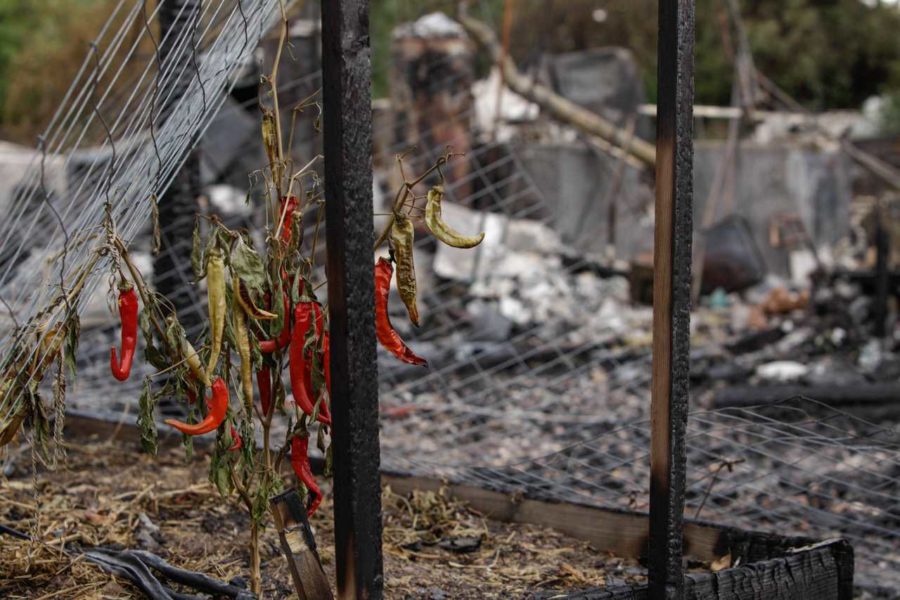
(172, 273)
(671, 297)
(347, 101)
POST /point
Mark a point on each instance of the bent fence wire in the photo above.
(108, 150)
(554, 407)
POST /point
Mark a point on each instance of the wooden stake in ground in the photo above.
(299, 547)
(671, 298)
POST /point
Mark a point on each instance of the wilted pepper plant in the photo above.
(265, 318)
(264, 321)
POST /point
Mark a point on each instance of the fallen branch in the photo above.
(560, 108)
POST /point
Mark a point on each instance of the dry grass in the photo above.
(434, 547)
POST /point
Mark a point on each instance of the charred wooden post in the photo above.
(172, 267)
(299, 547)
(346, 90)
(671, 297)
(432, 71)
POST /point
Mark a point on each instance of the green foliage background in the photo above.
(826, 53)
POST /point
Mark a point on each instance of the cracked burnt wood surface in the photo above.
(819, 573)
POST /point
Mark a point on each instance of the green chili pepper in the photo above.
(441, 230)
(215, 289)
(402, 238)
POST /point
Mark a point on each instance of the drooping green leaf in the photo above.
(154, 357)
(40, 427)
(198, 264)
(59, 410)
(297, 289)
(144, 322)
(248, 265)
(220, 473)
(73, 333)
(320, 439)
(328, 471)
(146, 420)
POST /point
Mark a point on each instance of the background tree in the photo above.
(826, 53)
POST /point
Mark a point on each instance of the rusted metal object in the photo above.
(299, 547)
(346, 91)
(671, 297)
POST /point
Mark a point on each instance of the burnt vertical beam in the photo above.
(671, 297)
(172, 267)
(347, 101)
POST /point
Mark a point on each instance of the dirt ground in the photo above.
(112, 495)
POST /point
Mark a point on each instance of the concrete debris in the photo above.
(513, 108)
(433, 25)
(782, 371)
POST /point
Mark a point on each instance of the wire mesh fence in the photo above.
(117, 139)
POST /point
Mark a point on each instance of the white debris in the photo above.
(513, 107)
(782, 370)
(228, 200)
(803, 264)
(527, 235)
(871, 356)
(436, 24)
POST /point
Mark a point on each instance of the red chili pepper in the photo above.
(299, 365)
(288, 206)
(218, 407)
(238, 443)
(301, 466)
(326, 360)
(264, 381)
(128, 313)
(283, 339)
(324, 416)
(324, 409)
(300, 360)
(308, 355)
(387, 336)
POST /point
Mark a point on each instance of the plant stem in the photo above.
(255, 574)
(404, 192)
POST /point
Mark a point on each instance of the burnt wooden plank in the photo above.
(671, 295)
(809, 575)
(346, 97)
(812, 574)
(620, 532)
(299, 547)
